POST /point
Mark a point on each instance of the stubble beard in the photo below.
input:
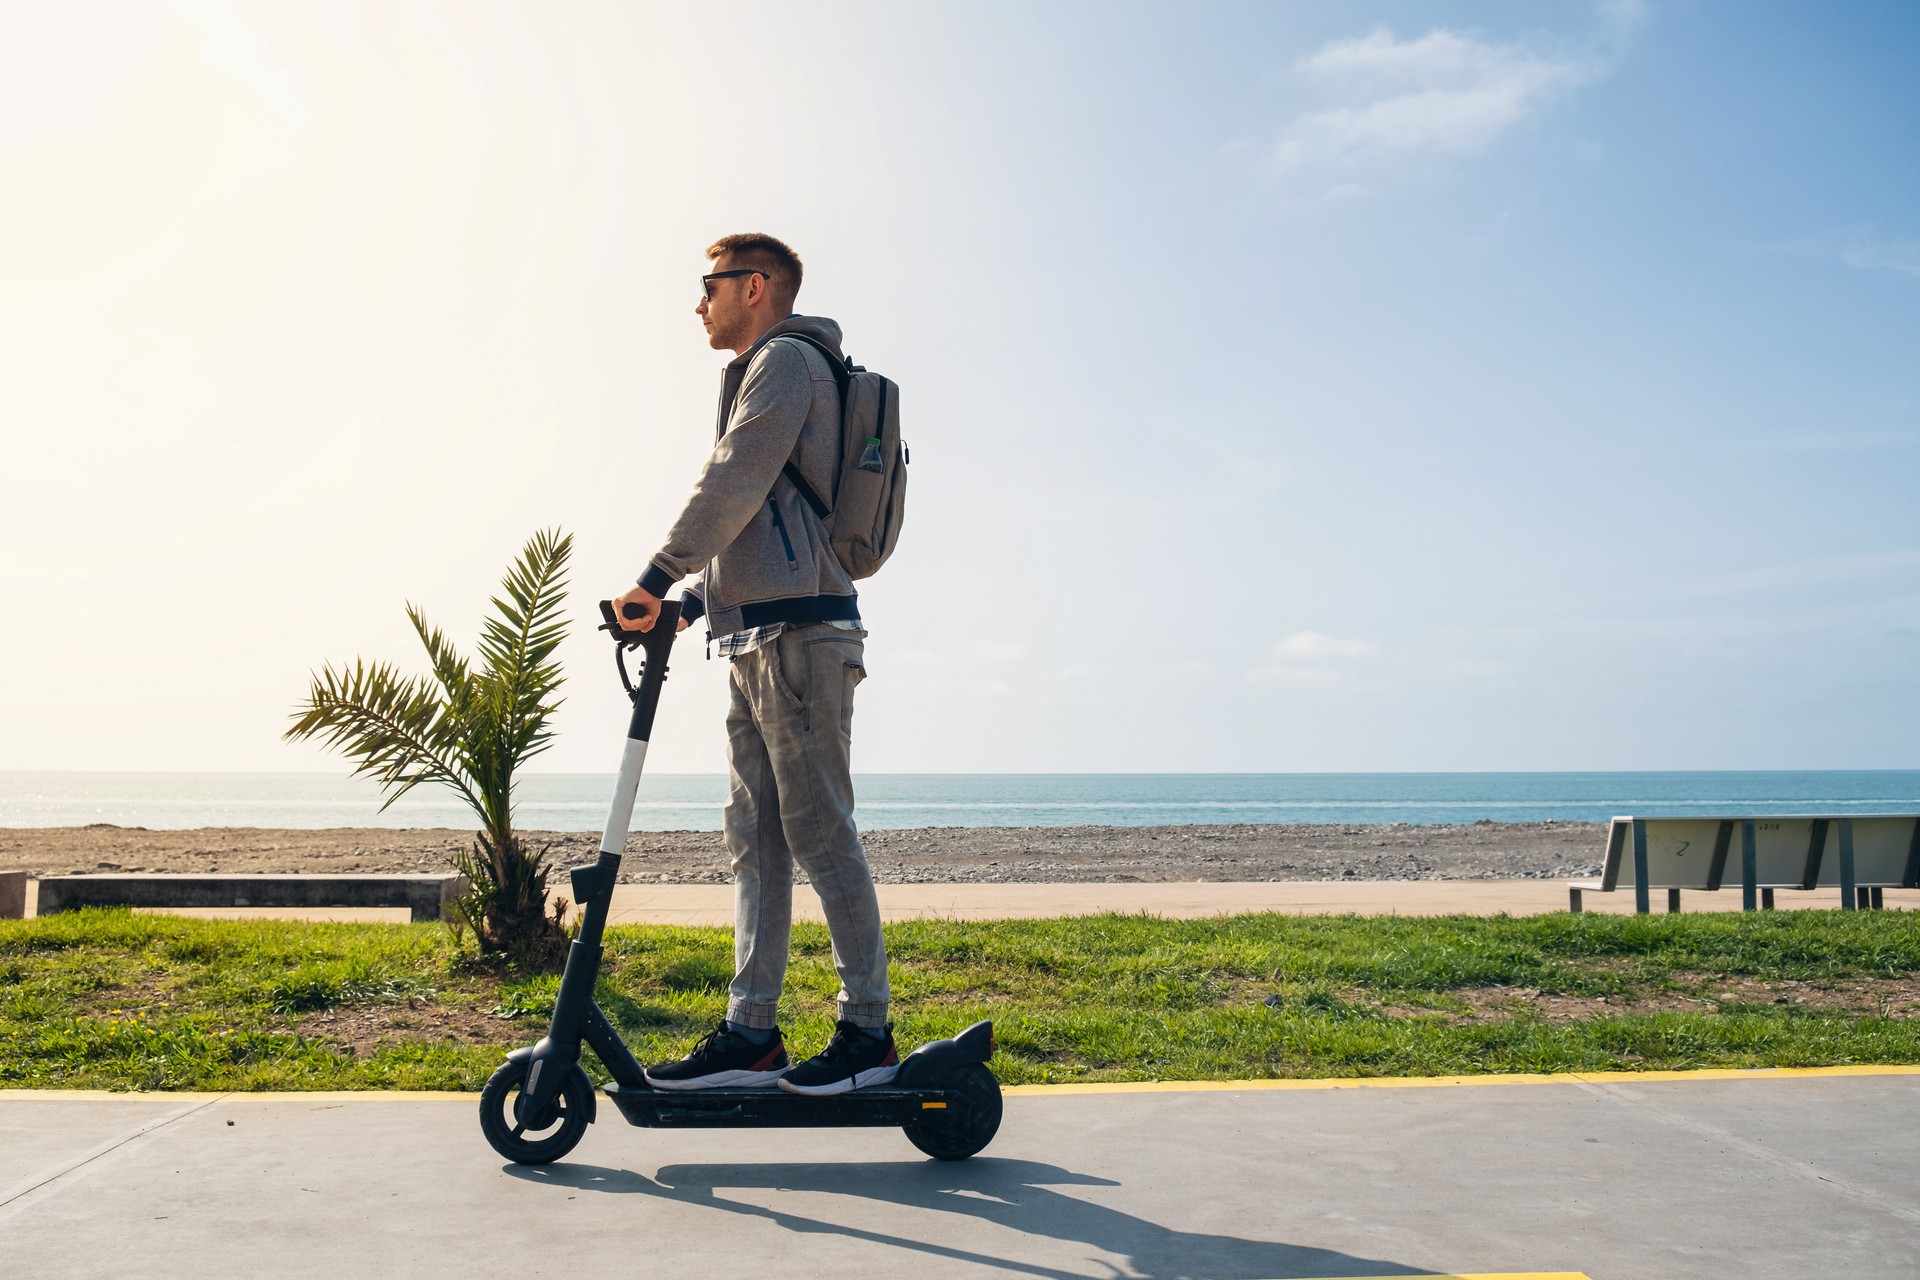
(726, 337)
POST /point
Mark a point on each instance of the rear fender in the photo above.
(928, 1066)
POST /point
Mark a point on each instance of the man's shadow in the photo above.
(1012, 1194)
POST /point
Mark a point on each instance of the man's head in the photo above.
(748, 289)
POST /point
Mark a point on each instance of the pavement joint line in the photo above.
(34, 1182)
(1596, 1078)
(1450, 1082)
(1613, 1091)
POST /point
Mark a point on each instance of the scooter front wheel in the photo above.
(538, 1139)
(965, 1130)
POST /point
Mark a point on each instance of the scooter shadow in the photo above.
(1014, 1194)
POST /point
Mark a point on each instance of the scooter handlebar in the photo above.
(657, 641)
(660, 636)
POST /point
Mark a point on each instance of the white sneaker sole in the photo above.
(721, 1080)
(860, 1080)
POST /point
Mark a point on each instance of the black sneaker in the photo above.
(723, 1059)
(853, 1059)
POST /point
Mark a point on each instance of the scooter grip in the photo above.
(613, 622)
(669, 617)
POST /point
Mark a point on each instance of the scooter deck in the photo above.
(760, 1108)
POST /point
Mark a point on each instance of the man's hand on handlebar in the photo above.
(645, 601)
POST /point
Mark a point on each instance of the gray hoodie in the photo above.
(766, 555)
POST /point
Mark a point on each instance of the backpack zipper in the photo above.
(781, 525)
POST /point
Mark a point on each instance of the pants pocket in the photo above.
(847, 648)
(788, 665)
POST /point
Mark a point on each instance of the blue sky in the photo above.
(1342, 387)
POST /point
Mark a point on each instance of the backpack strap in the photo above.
(843, 378)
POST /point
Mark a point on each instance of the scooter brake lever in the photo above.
(623, 640)
(622, 636)
(656, 642)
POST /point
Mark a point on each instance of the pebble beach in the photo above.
(927, 855)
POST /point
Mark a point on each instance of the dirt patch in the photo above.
(147, 996)
(1897, 997)
(358, 1030)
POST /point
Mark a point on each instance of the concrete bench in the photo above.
(1860, 855)
(426, 896)
(13, 895)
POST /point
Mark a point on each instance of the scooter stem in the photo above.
(593, 887)
(557, 1054)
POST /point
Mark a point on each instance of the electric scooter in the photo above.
(536, 1107)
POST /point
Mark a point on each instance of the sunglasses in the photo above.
(706, 282)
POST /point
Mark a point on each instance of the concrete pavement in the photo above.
(712, 904)
(1762, 1178)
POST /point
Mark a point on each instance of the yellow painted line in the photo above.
(340, 1095)
(1447, 1082)
(1058, 1090)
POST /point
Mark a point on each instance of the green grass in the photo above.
(107, 999)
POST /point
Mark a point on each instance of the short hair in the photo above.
(763, 253)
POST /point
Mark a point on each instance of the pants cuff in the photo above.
(761, 1017)
(871, 1016)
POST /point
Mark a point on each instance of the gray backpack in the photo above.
(869, 500)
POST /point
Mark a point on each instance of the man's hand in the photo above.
(649, 604)
(647, 601)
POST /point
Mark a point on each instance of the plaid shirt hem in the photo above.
(736, 644)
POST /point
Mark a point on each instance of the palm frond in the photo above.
(394, 728)
(517, 645)
(449, 668)
(529, 625)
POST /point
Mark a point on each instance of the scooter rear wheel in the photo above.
(543, 1139)
(965, 1130)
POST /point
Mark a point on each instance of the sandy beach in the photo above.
(936, 855)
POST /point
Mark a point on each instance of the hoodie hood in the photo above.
(819, 328)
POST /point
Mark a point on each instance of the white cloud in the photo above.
(1860, 249)
(1307, 647)
(1298, 677)
(999, 650)
(1387, 106)
(1887, 255)
(1311, 645)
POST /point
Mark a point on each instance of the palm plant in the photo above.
(469, 729)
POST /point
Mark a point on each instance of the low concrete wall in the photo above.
(426, 896)
(13, 895)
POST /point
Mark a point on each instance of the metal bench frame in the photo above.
(1853, 895)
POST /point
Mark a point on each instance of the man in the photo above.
(787, 617)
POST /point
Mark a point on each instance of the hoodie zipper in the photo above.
(781, 525)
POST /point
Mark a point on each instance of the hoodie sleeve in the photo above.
(768, 414)
(693, 602)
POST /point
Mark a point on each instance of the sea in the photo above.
(692, 802)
